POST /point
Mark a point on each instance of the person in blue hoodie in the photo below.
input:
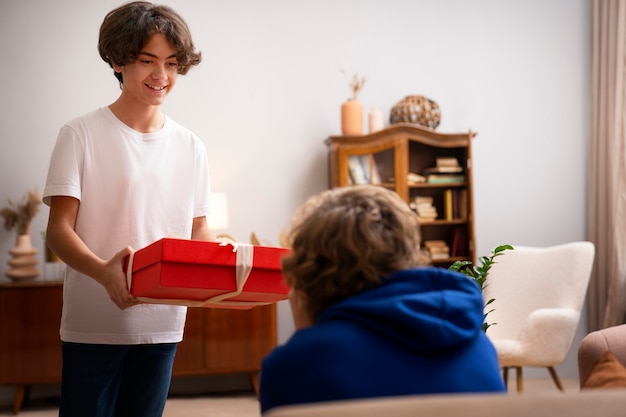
(371, 318)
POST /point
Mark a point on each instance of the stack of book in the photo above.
(423, 206)
(438, 249)
(447, 170)
(413, 178)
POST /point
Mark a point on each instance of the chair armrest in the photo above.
(560, 324)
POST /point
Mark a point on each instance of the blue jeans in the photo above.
(115, 380)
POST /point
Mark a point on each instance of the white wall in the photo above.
(269, 90)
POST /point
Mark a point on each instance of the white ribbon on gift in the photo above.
(243, 267)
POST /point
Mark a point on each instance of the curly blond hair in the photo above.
(347, 240)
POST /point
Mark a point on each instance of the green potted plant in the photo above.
(480, 272)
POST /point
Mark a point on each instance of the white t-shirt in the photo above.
(134, 188)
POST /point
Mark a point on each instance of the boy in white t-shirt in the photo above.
(122, 177)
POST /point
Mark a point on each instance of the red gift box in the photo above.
(207, 274)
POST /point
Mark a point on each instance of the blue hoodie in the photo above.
(418, 333)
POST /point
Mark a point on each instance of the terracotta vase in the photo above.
(351, 118)
(23, 262)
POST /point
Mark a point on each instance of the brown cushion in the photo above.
(607, 372)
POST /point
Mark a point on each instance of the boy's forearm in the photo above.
(70, 248)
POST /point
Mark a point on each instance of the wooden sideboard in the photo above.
(30, 350)
(222, 341)
(216, 341)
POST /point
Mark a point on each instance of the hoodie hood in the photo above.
(427, 309)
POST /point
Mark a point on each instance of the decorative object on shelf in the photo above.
(352, 109)
(416, 109)
(376, 120)
(23, 262)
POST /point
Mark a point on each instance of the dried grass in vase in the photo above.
(21, 214)
(356, 84)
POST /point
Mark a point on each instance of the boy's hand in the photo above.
(114, 280)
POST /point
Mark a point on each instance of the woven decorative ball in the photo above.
(416, 109)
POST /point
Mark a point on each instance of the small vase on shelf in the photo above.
(18, 215)
(376, 120)
(352, 109)
(23, 262)
(351, 118)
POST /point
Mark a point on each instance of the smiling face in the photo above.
(149, 79)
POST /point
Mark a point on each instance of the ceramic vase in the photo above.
(376, 120)
(351, 118)
(23, 262)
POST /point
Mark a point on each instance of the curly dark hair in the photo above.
(347, 240)
(126, 30)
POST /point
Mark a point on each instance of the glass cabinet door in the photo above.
(372, 168)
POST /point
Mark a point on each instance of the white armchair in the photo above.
(539, 294)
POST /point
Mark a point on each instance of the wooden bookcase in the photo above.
(387, 157)
(216, 341)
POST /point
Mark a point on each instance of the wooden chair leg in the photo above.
(505, 377)
(22, 392)
(520, 379)
(254, 380)
(555, 378)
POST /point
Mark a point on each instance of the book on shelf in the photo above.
(373, 168)
(445, 178)
(445, 165)
(459, 207)
(455, 204)
(436, 243)
(423, 199)
(447, 162)
(426, 217)
(442, 170)
(459, 242)
(439, 256)
(438, 249)
(363, 169)
(425, 209)
(448, 202)
(413, 178)
(423, 206)
(357, 172)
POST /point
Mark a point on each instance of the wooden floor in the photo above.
(246, 405)
(539, 386)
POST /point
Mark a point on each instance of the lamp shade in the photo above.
(218, 219)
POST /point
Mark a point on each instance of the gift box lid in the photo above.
(204, 253)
